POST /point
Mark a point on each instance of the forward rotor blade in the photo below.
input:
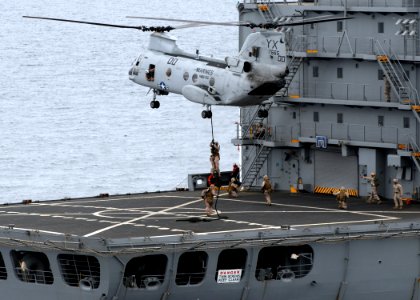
(142, 28)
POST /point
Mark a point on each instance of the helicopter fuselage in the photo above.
(233, 81)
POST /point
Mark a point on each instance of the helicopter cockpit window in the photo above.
(194, 78)
(168, 72)
(150, 73)
(186, 76)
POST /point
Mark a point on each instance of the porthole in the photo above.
(212, 81)
(146, 272)
(194, 78)
(192, 267)
(168, 72)
(31, 266)
(186, 76)
(285, 263)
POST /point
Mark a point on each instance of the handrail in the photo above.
(252, 164)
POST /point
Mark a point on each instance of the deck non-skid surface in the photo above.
(168, 213)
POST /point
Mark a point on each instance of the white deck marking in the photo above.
(374, 215)
(143, 217)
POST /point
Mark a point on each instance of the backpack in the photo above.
(204, 193)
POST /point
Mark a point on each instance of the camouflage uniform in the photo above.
(398, 191)
(233, 188)
(342, 196)
(373, 196)
(267, 189)
(215, 157)
(208, 196)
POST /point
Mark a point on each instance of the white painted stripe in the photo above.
(143, 217)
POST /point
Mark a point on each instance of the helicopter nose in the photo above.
(133, 72)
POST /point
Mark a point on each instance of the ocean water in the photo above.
(71, 122)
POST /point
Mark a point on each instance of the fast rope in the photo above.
(212, 134)
(217, 183)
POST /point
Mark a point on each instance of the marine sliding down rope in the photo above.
(217, 183)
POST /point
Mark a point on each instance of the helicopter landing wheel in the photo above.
(206, 114)
(154, 104)
(262, 113)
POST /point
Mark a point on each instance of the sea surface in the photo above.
(71, 122)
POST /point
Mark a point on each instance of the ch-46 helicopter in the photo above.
(251, 77)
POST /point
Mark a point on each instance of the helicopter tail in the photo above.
(266, 51)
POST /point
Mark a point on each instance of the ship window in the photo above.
(146, 272)
(339, 72)
(231, 265)
(186, 76)
(406, 122)
(192, 268)
(285, 263)
(339, 118)
(316, 116)
(406, 75)
(32, 267)
(380, 74)
(339, 26)
(3, 271)
(380, 120)
(315, 71)
(381, 27)
(80, 270)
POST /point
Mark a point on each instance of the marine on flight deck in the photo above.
(342, 196)
(374, 183)
(398, 191)
(267, 189)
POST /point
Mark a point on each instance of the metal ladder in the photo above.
(261, 156)
(415, 152)
(256, 165)
(400, 83)
(395, 73)
(265, 11)
(293, 65)
(403, 88)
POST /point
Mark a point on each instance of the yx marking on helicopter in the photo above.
(251, 77)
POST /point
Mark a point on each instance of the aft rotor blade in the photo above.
(313, 21)
(190, 21)
(142, 28)
(270, 25)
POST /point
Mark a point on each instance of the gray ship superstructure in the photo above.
(333, 123)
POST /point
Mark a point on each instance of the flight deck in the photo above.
(170, 213)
